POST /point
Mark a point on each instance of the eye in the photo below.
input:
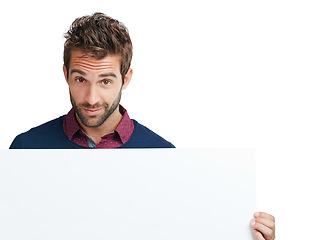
(105, 82)
(80, 79)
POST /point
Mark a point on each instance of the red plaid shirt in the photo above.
(121, 135)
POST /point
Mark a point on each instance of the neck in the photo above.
(107, 127)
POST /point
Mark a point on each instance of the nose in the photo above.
(92, 95)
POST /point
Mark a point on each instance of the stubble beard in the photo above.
(96, 120)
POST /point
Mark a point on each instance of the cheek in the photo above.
(110, 96)
(107, 97)
(77, 94)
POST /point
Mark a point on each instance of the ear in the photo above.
(128, 78)
(65, 74)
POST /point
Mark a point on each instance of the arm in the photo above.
(263, 225)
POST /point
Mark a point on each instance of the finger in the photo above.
(264, 215)
(257, 235)
(267, 222)
(264, 230)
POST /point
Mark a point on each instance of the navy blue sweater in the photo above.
(50, 135)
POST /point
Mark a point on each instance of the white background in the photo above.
(206, 74)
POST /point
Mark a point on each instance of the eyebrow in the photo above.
(108, 75)
(78, 71)
(101, 75)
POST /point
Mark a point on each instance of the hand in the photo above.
(264, 226)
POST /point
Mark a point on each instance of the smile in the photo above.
(92, 111)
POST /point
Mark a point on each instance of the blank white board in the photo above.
(127, 194)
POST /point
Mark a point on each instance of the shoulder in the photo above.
(143, 137)
(41, 136)
(45, 128)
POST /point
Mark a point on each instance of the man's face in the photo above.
(95, 87)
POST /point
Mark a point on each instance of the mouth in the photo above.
(92, 112)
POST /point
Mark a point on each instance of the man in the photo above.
(97, 59)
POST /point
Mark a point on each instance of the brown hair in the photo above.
(99, 35)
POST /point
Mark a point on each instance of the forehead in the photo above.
(86, 62)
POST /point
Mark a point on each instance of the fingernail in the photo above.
(252, 223)
(256, 214)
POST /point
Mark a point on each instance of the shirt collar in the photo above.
(70, 124)
(125, 127)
